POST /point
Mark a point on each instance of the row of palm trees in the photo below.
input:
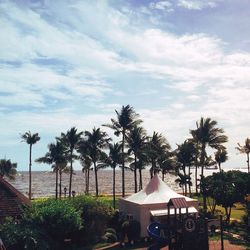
(135, 151)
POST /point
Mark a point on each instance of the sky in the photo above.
(73, 63)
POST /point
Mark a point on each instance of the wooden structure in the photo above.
(11, 201)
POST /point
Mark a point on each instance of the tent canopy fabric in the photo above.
(157, 191)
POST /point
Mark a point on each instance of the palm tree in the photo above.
(56, 156)
(8, 169)
(30, 139)
(207, 134)
(96, 142)
(156, 146)
(126, 120)
(114, 158)
(245, 149)
(70, 140)
(135, 142)
(166, 163)
(86, 161)
(185, 156)
(220, 156)
(183, 181)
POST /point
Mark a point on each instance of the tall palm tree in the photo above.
(220, 156)
(185, 156)
(30, 139)
(56, 156)
(127, 118)
(245, 149)
(96, 141)
(156, 146)
(86, 161)
(70, 140)
(113, 160)
(207, 134)
(8, 169)
(136, 139)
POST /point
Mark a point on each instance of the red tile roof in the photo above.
(11, 200)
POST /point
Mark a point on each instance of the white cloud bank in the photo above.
(59, 72)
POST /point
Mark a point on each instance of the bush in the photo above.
(95, 214)
(44, 226)
(57, 218)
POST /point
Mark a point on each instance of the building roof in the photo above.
(156, 191)
(172, 211)
(178, 202)
(11, 200)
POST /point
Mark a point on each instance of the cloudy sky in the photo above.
(72, 63)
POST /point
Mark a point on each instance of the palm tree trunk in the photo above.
(152, 169)
(219, 164)
(189, 184)
(196, 179)
(140, 178)
(123, 167)
(71, 172)
(203, 152)
(114, 187)
(96, 180)
(56, 182)
(30, 163)
(185, 183)
(60, 183)
(135, 174)
(248, 167)
(88, 182)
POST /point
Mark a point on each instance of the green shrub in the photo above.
(96, 215)
(22, 235)
(57, 218)
(46, 223)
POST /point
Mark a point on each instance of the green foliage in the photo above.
(47, 224)
(95, 213)
(110, 235)
(22, 235)
(226, 188)
(8, 169)
(57, 218)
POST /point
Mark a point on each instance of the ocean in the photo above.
(43, 183)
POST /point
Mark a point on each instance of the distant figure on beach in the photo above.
(2, 247)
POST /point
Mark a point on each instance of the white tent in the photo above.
(152, 201)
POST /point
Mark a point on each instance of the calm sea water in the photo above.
(43, 183)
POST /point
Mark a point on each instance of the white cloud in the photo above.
(77, 70)
(162, 5)
(197, 4)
